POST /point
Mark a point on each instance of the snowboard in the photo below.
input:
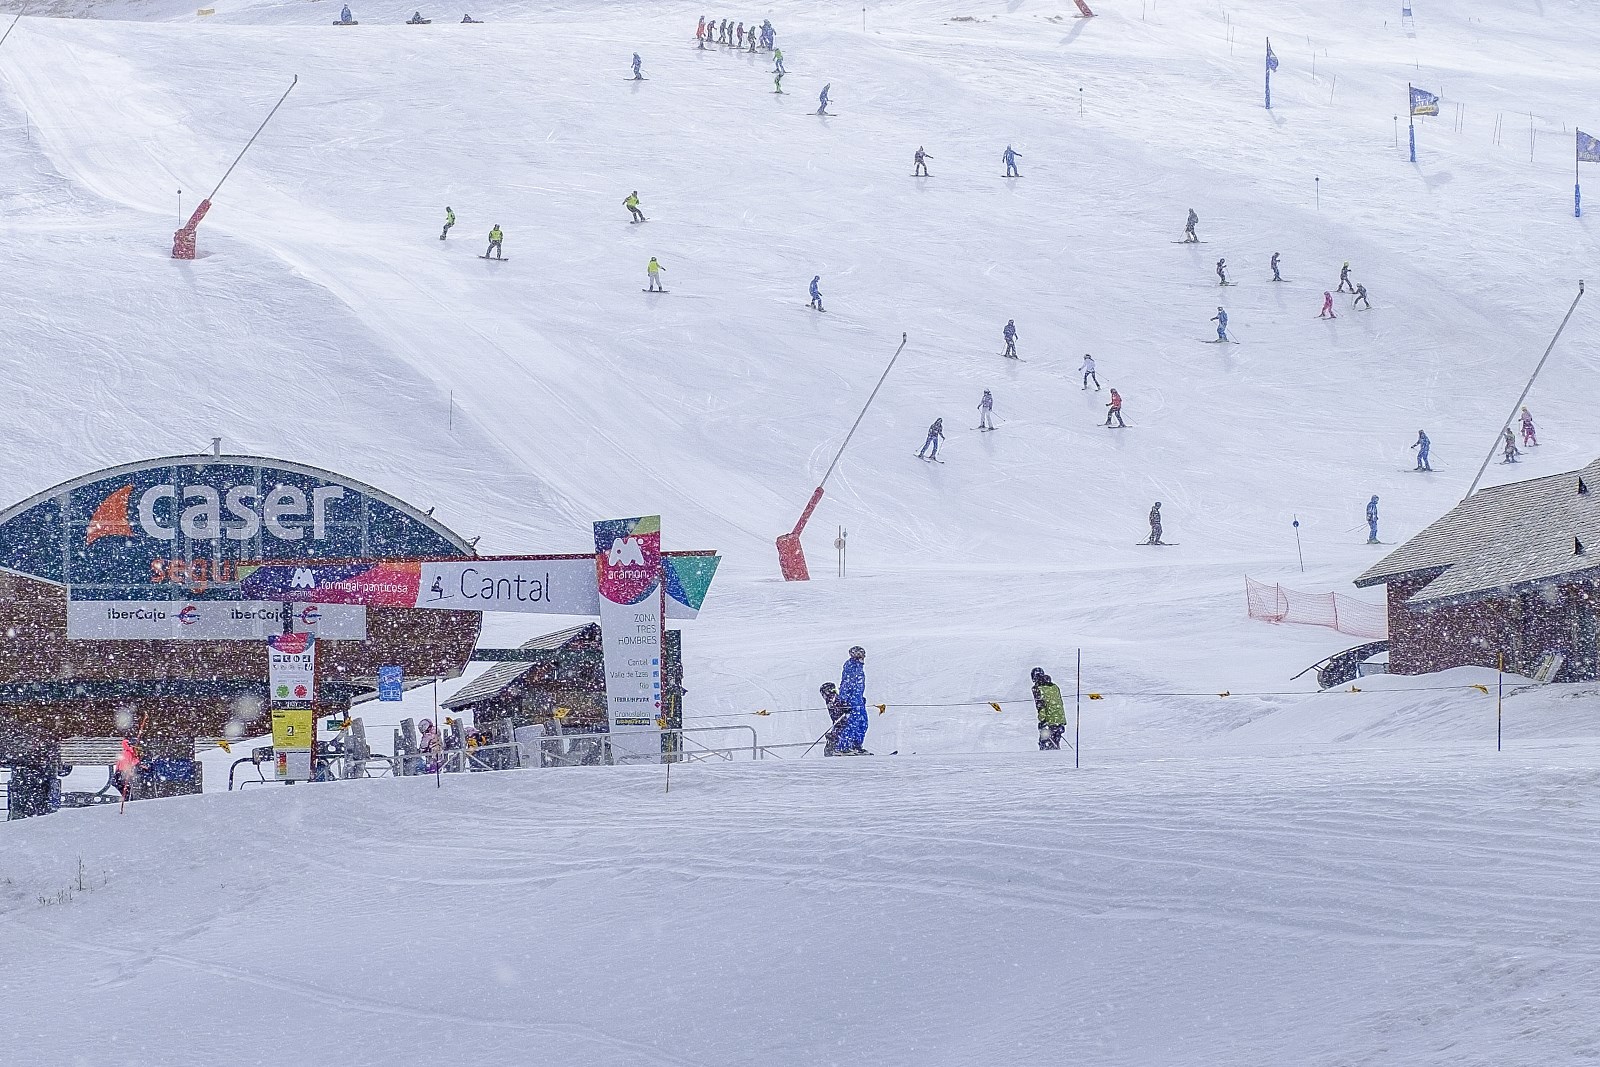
(1220, 284)
(1418, 470)
(635, 79)
(352, 22)
(635, 222)
(424, 22)
(655, 290)
(1283, 279)
(922, 175)
(808, 307)
(497, 259)
(985, 428)
(1156, 544)
(1191, 242)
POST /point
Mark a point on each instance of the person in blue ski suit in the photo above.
(816, 294)
(822, 99)
(1422, 446)
(935, 435)
(344, 14)
(853, 692)
(636, 75)
(1275, 275)
(1011, 158)
(1372, 520)
(1010, 334)
(1221, 319)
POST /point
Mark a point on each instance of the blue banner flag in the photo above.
(1272, 60)
(1588, 148)
(1423, 102)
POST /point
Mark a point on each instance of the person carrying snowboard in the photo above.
(1114, 409)
(1221, 319)
(853, 692)
(1511, 449)
(1189, 237)
(449, 221)
(1361, 298)
(1529, 438)
(632, 204)
(777, 61)
(1275, 275)
(1222, 272)
(1052, 711)
(986, 411)
(1010, 157)
(1327, 306)
(1010, 335)
(1155, 525)
(1344, 279)
(1087, 370)
(822, 99)
(1372, 520)
(935, 435)
(838, 715)
(495, 237)
(1422, 445)
(653, 271)
(638, 77)
(921, 169)
(816, 294)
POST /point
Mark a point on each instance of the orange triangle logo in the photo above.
(111, 518)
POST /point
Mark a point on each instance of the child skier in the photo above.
(1327, 306)
(495, 237)
(1010, 157)
(1275, 275)
(921, 168)
(1529, 438)
(1114, 410)
(1511, 450)
(1010, 334)
(1221, 319)
(935, 435)
(1155, 525)
(1189, 237)
(1222, 272)
(653, 271)
(1361, 298)
(1422, 445)
(816, 294)
(777, 62)
(986, 411)
(632, 204)
(838, 714)
(1052, 711)
(449, 221)
(1087, 370)
(1344, 279)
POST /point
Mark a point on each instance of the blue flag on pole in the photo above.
(1423, 102)
(1272, 60)
(1588, 148)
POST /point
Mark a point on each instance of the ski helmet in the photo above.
(857, 652)
(1039, 675)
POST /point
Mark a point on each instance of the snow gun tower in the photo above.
(791, 557)
(183, 239)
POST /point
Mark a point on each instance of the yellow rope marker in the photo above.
(1096, 696)
(763, 711)
(995, 706)
(560, 713)
(1481, 688)
(882, 708)
(1353, 689)
(222, 743)
(1225, 693)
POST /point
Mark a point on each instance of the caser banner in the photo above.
(209, 620)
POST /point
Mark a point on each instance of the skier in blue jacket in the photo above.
(853, 692)
(1011, 158)
(816, 294)
(636, 75)
(822, 99)
(1221, 319)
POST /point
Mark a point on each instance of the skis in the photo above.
(1221, 284)
(1418, 470)
(1219, 341)
(496, 259)
(983, 427)
(1191, 242)
(808, 307)
(655, 290)
(1156, 544)
(927, 459)
(635, 222)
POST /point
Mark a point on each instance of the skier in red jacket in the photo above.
(1114, 410)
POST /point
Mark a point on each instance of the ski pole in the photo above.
(813, 744)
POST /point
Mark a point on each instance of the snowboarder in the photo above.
(1327, 306)
(1422, 445)
(1344, 279)
(1010, 157)
(1114, 409)
(853, 692)
(1189, 236)
(449, 221)
(1361, 298)
(935, 435)
(1529, 438)
(838, 714)
(653, 270)
(822, 99)
(1052, 711)
(495, 237)
(1010, 334)
(468, 20)
(1221, 319)
(416, 19)
(777, 84)
(1372, 520)
(921, 169)
(1222, 272)
(1511, 449)
(1275, 275)
(632, 204)
(638, 77)
(738, 37)
(816, 294)
(986, 411)
(1087, 370)
(345, 18)
(777, 62)
(1155, 525)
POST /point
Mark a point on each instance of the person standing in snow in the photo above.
(986, 411)
(429, 743)
(1529, 438)
(1511, 449)
(1010, 157)
(1052, 711)
(921, 168)
(636, 63)
(700, 30)
(1155, 525)
(853, 692)
(1361, 298)
(653, 271)
(1327, 306)
(1189, 236)
(777, 84)
(1087, 370)
(495, 237)
(816, 294)
(752, 37)
(738, 37)
(1221, 319)
(1372, 520)
(1344, 279)
(935, 435)
(1422, 445)
(1275, 275)
(1010, 335)
(1113, 409)
(777, 62)
(822, 99)
(449, 221)
(345, 18)
(632, 204)
(838, 715)
(1222, 272)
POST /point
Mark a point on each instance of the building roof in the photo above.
(1504, 537)
(497, 678)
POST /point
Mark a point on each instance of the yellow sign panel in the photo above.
(293, 729)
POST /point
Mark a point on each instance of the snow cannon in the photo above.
(791, 557)
(183, 239)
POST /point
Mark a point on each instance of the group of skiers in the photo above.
(726, 32)
(919, 162)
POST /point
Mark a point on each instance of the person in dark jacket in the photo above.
(838, 714)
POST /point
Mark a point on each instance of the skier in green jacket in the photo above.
(1052, 711)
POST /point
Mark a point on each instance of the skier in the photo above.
(1222, 272)
(1189, 237)
(1529, 438)
(1275, 275)
(1010, 334)
(777, 84)
(702, 34)
(738, 37)
(1422, 445)
(838, 714)
(345, 18)
(822, 99)
(1087, 370)
(449, 221)
(752, 36)
(853, 692)
(495, 237)
(816, 294)
(1372, 520)
(1010, 157)
(777, 62)
(1361, 298)
(921, 169)
(935, 435)
(636, 75)
(1052, 711)
(430, 742)
(632, 204)
(1221, 319)
(1114, 409)
(654, 269)
(1344, 279)
(986, 411)
(1155, 525)
(700, 30)
(1511, 450)
(1327, 306)
(725, 33)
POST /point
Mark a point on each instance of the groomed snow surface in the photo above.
(1272, 877)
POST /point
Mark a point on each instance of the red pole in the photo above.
(183, 240)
